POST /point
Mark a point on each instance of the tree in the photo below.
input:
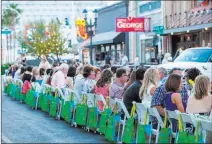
(9, 16)
(40, 42)
(56, 41)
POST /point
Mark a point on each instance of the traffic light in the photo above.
(66, 21)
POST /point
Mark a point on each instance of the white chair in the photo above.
(206, 127)
(154, 113)
(172, 115)
(188, 118)
(37, 88)
(58, 110)
(121, 107)
(141, 111)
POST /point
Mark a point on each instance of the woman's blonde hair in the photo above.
(201, 85)
(150, 76)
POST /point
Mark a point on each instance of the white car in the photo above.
(200, 57)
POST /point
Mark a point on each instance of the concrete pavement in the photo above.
(21, 124)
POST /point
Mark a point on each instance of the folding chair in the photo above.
(154, 113)
(206, 126)
(172, 115)
(92, 100)
(58, 101)
(19, 84)
(141, 111)
(121, 107)
(188, 118)
(37, 88)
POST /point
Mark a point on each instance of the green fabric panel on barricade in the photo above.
(81, 114)
(128, 131)
(103, 119)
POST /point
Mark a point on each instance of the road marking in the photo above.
(4, 138)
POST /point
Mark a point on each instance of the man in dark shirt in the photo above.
(132, 92)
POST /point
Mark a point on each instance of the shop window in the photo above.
(150, 6)
(102, 49)
(107, 48)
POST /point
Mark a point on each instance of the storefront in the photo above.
(194, 30)
(106, 39)
(111, 43)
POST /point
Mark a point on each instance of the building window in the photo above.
(150, 6)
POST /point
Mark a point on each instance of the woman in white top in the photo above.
(70, 77)
(150, 82)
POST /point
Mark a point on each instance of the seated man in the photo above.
(160, 93)
(132, 92)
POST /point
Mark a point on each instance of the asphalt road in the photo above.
(21, 124)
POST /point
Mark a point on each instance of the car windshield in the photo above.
(194, 55)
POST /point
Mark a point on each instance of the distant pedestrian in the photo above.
(124, 60)
(107, 59)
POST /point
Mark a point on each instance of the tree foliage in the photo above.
(44, 39)
(9, 16)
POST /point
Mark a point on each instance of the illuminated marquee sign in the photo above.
(80, 24)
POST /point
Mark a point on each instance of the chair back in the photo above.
(154, 112)
(141, 110)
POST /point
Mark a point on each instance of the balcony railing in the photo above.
(195, 16)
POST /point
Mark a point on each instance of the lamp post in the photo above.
(90, 29)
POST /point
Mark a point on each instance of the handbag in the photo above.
(183, 137)
(104, 117)
(81, 112)
(112, 123)
(144, 131)
(53, 104)
(129, 126)
(164, 135)
(92, 116)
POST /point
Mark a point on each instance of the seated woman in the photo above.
(150, 83)
(173, 100)
(201, 101)
(40, 77)
(102, 86)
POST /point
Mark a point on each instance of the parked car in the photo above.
(34, 61)
(200, 57)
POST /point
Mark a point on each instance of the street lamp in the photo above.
(90, 29)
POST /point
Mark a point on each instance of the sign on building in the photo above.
(132, 24)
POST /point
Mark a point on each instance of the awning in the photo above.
(190, 28)
(107, 38)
